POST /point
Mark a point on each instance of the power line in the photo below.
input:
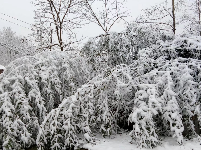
(15, 18)
(15, 23)
(18, 20)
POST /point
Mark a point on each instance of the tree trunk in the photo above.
(199, 13)
(173, 17)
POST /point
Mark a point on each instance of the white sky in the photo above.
(24, 10)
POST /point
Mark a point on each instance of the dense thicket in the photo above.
(121, 48)
(54, 99)
(30, 88)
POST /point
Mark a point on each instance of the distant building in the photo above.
(2, 68)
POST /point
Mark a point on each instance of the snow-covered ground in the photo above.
(122, 142)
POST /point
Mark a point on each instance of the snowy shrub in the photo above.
(33, 86)
(171, 112)
(58, 131)
(144, 35)
(177, 95)
(185, 47)
(185, 75)
(113, 49)
(95, 107)
(54, 99)
(146, 106)
(188, 47)
(161, 49)
(120, 48)
(18, 122)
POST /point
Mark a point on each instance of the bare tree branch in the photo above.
(58, 17)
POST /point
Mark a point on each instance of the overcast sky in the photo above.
(23, 10)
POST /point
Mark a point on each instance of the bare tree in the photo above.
(173, 17)
(199, 13)
(197, 19)
(106, 14)
(55, 21)
(159, 15)
(193, 18)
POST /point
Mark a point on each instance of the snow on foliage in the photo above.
(176, 92)
(54, 99)
(13, 46)
(146, 106)
(30, 88)
(121, 48)
(93, 108)
(156, 98)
